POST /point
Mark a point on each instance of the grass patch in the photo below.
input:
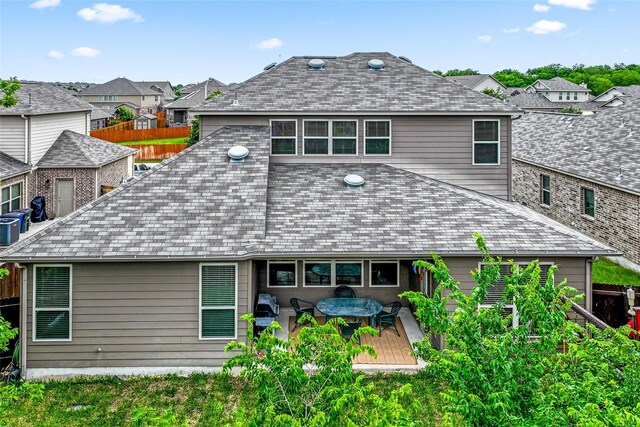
(181, 140)
(200, 399)
(610, 273)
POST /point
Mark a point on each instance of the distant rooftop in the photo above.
(560, 84)
(44, 98)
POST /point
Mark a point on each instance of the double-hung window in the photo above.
(316, 137)
(11, 198)
(283, 137)
(344, 137)
(52, 303)
(338, 137)
(588, 202)
(545, 190)
(218, 301)
(377, 137)
(486, 142)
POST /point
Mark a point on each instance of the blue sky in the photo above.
(188, 41)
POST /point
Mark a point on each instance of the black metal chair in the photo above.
(387, 319)
(347, 331)
(300, 311)
(343, 291)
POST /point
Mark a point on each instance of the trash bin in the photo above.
(20, 216)
(9, 231)
(27, 215)
(39, 213)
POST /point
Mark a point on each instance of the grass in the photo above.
(200, 399)
(610, 273)
(181, 140)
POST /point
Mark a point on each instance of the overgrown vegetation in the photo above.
(195, 131)
(495, 93)
(504, 375)
(608, 272)
(571, 110)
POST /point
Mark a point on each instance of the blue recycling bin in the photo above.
(20, 216)
(9, 231)
(27, 216)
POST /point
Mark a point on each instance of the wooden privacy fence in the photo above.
(10, 285)
(120, 126)
(162, 118)
(141, 134)
(157, 151)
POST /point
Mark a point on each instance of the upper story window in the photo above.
(107, 98)
(575, 96)
(283, 137)
(143, 97)
(486, 142)
(338, 137)
(560, 96)
(377, 137)
(11, 198)
(156, 98)
(545, 190)
(588, 202)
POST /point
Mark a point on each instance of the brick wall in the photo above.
(85, 186)
(25, 199)
(617, 213)
(113, 173)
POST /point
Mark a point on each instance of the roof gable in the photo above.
(43, 98)
(120, 86)
(559, 84)
(10, 166)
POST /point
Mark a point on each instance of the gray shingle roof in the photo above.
(196, 94)
(210, 82)
(596, 147)
(111, 106)
(537, 101)
(45, 99)
(471, 81)
(633, 90)
(346, 84)
(198, 206)
(119, 86)
(10, 166)
(558, 83)
(99, 113)
(74, 150)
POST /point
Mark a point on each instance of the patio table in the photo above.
(349, 307)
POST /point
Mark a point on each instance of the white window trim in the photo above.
(295, 137)
(222, 307)
(34, 310)
(377, 137)
(473, 139)
(396, 262)
(329, 137)
(11, 195)
(332, 262)
(295, 277)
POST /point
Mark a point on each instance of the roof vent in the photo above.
(354, 181)
(235, 102)
(405, 59)
(270, 66)
(376, 64)
(237, 154)
(316, 64)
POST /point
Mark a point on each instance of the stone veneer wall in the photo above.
(113, 173)
(85, 186)
(617, 213)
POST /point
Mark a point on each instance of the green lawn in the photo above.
(181, 140)
(610, 273)
(200, 399)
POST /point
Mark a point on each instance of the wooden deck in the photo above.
(391, 348)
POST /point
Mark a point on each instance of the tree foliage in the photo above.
(309, 380)
(501, 375)
(124, 114)
(495, 93)
(465, 72)
(8, 89)
(571, 110)
(213, 94)
(195, 131)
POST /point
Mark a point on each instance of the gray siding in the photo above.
(139, 314)
(12, 136)
(437, 147)
(47, 128)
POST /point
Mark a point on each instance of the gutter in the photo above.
(27, 136)
(353, 113)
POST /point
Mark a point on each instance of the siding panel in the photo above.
(12, 136)
(46, 129)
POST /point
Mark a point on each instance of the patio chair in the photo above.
(387, 319)
(300, 311)
(347, 331)
(344, 291)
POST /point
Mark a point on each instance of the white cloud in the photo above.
(484, 39)
(625, 50)
(511, 30)
(43, 4)
(545, 27)
(269, 43)
(541, 8)
(105, 13)
(573, 4)
(85, 52)
(54, 54)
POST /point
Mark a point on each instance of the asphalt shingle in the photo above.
(43, 98)
(10, 166)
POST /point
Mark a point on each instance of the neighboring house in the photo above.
(558, 89)
(617, 96)
(112, 107)
(147, 97)
(479, 82)
(155, 276)
(38, 126)
(168, 94)
(552, 95)
(178, 110)
(100, 118)
(583, 171)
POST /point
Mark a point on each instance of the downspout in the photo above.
(22, 327)
(27, 136)
(588, 285)
(510, 158)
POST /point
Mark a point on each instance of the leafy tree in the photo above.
(309, 380)
(457, 72)
(501, 375)
(571, 110)
(124, 114)
(195, 131)
(513, 78)
(8, 89)
(213, 94)
(496, 93)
